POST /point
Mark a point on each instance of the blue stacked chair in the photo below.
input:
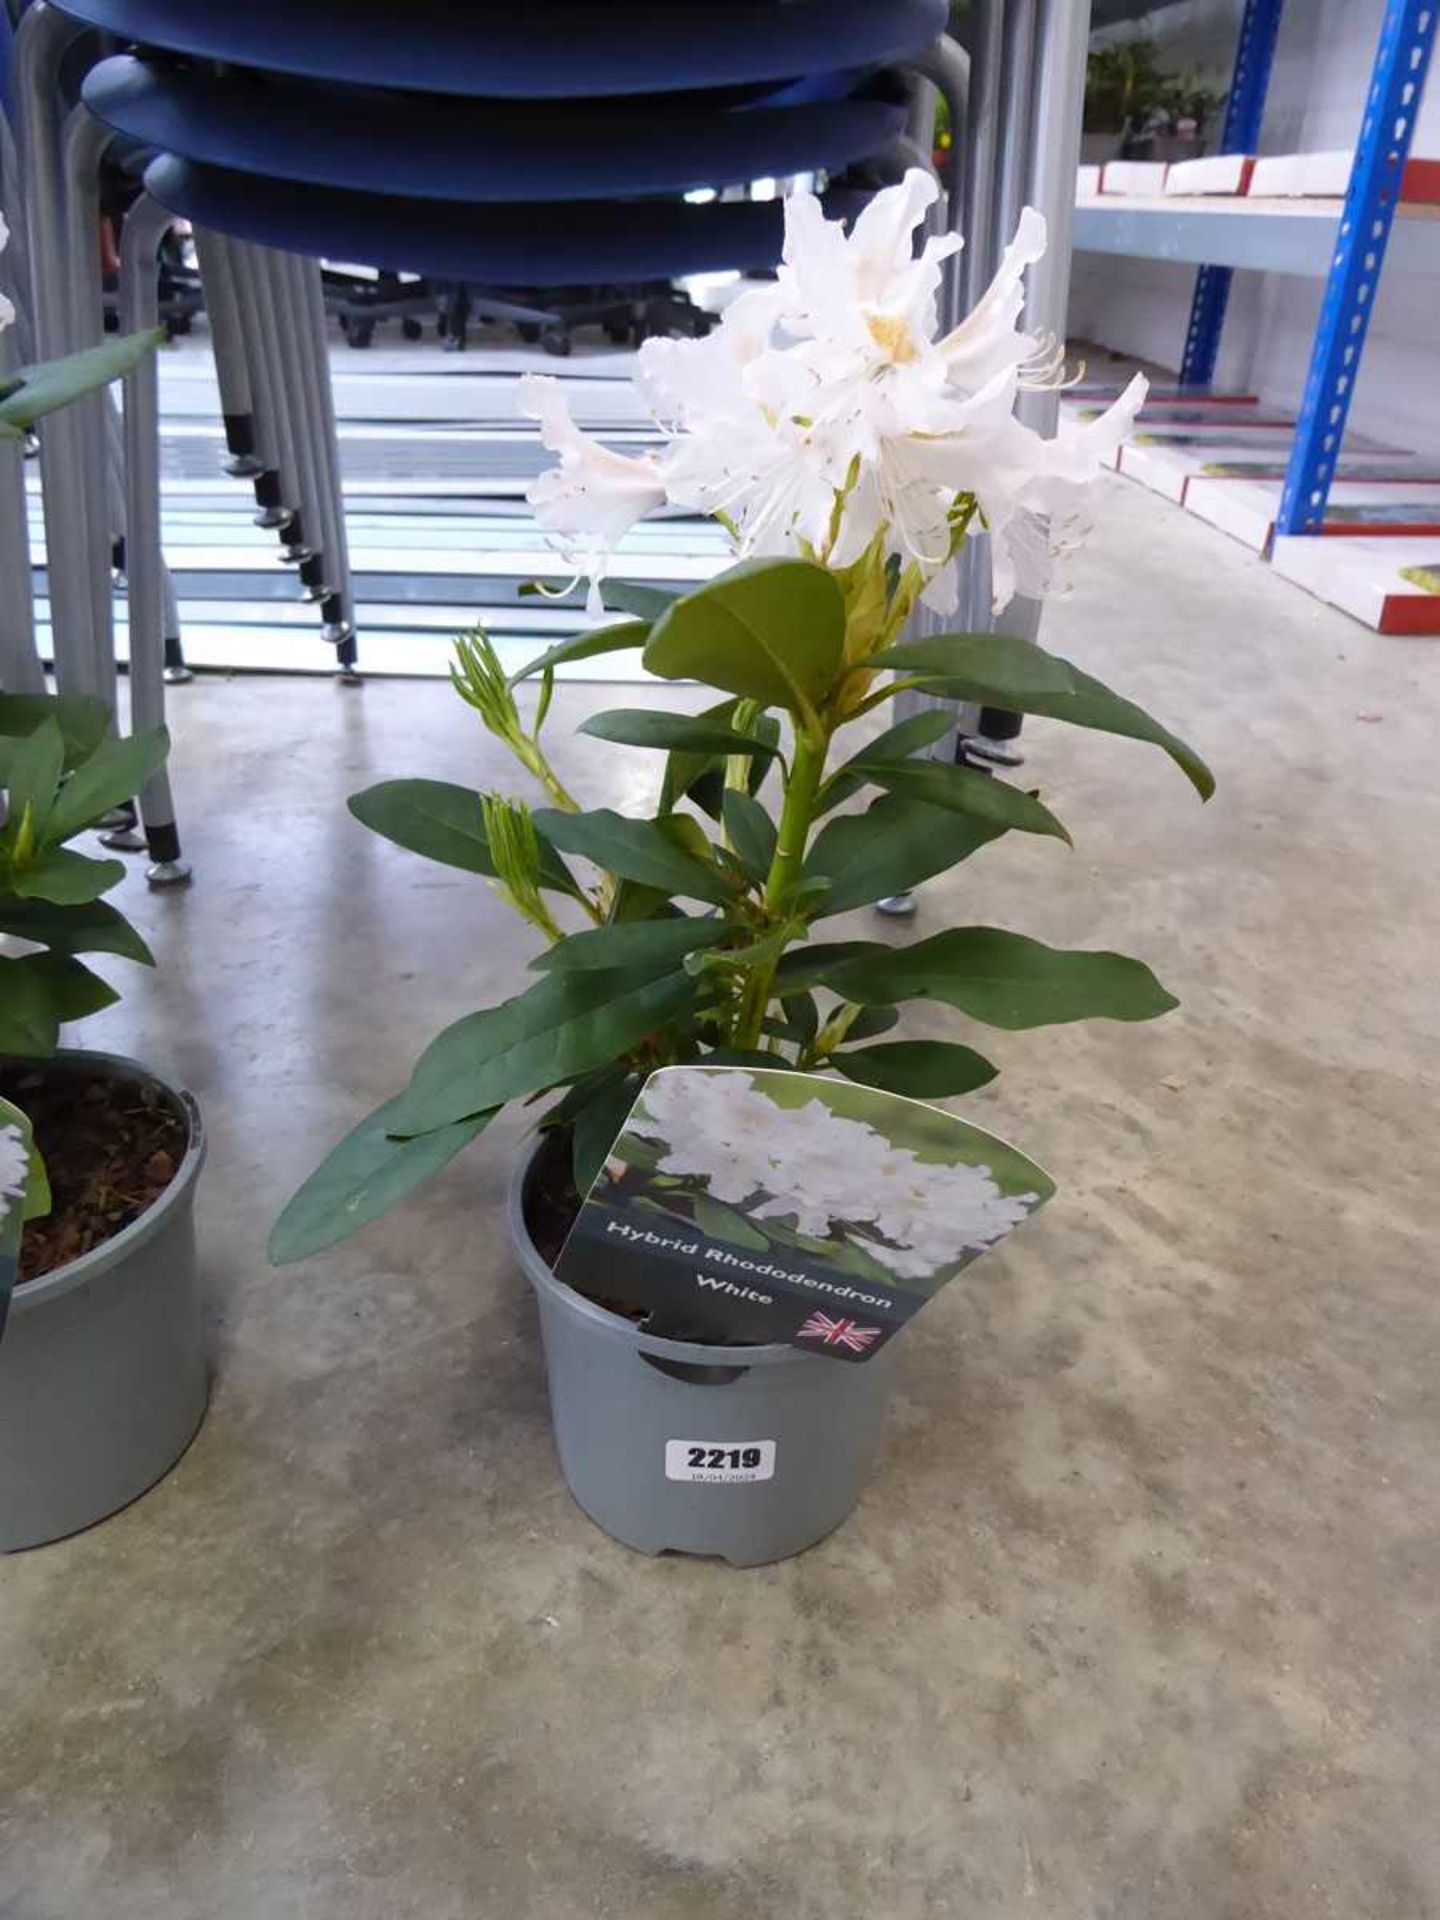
(549, 147)
(414, 140)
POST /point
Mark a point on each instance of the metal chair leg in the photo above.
(242, 380)
(338, 606)
(84, 141)
(277, 289)
(145, 226)
(275, 495)
(177, 674)
(15, 264)
(41, 40)
(232, 369)
(21, 670)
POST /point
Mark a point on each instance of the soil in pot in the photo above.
(111, 1148)
(552, 1201)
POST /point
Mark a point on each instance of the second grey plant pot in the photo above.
(102, 1368)
(619, 1398)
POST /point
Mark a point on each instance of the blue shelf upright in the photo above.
(1401, 62)
(1244, 112)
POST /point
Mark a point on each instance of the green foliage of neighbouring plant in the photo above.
(59, 780)
(30, 393)
(23, 1195)
(694, 927)
(1127, 90)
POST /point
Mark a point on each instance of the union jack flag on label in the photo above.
(839, 1333)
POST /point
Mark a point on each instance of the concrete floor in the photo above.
(1139, 1615)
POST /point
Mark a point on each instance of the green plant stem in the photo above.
(796, 817)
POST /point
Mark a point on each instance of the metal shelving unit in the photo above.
(1263, 236)
(1347, 243)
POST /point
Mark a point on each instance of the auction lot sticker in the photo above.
(719, 1461)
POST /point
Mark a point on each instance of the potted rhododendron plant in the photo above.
(849, 453)
(102, 1373)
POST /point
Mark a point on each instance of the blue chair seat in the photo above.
(543, 50)
(442, 148)
(522, 244)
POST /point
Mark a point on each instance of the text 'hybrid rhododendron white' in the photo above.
(823, 416)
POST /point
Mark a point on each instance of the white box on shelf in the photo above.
(1087, 182)
(1168, 465)
(1326, 176)
(1133, 176)
(1378, 508)
(1224, 173)
(1390, 585)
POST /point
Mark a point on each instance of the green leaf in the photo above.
(637, 849)
(1093, 705)
(29, 1025)
(35, 391)
(900, 742)
(920, 1069)
(752, 833)
(650, 946)
(894, 845)
(66, 878)
(38, 1198)
(40, 992)
(1024, 678)
(596, 1127)
(811, 965)
(966, 790)
(586, 646)
(690, 733)
(685, 771)
(645, 603)
(94, 927)
(802, 1016)
(770, 630)
(82, 721)
(1004, 979)
(117, 770)
(367, 1174)
(15, 1207)
(566, 1025)
(995, 669)
(633, 902)
(32, 781)
(75, 991)
(871, 1021)
(446, 823)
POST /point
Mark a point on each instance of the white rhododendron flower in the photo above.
(824, 416)
(821, 1172)
(14, 1167)
(594, 496)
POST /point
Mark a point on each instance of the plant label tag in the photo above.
(751, 1205)
(719, 1461)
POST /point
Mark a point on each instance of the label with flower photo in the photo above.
(748, 1205)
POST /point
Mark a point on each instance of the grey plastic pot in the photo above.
(631, 1410)
(102, 1367)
